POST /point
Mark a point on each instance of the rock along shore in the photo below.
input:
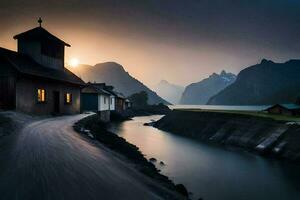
(96, 129)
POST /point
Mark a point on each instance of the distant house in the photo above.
(113, 95)
(34, 79)
(120, 102)
(95, 98)
(102, 98)
(284, 109)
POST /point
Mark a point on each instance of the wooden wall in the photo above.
(7, 92)
(26, 96)
(7, 85)
(119, 105)
(42, 53)
(89, 102)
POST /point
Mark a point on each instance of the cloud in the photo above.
(232, 33)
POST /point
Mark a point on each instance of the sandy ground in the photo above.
(46, 159)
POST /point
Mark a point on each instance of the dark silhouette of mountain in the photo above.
(201, 92)
(114, 74)
(171, 92)
(264, 83)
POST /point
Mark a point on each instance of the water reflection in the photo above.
(210, 172)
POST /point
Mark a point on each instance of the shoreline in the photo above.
(147, 110)
(93, 127)
(259, 135)
(68, 161)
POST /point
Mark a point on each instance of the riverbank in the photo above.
(95, 128)
(212, 171)
(147, 110)
(264, 135)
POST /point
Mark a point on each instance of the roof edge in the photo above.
(16, 37)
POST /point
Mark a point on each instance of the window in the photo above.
(104, 100)
(41, 95)
(68, 98)
(111, 101)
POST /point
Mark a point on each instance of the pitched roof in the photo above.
(120, 95)
(95, 88)
(39, 34)
(104, 89)
(101, 90)
(111, 91)
(290, 106)
(25, 65)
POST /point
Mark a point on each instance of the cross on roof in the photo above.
(40, 21)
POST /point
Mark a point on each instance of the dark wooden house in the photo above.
(34, 79)
(284, 109)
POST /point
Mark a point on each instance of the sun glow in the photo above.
(74, 62)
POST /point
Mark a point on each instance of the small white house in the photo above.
(95, 98)
(103, 101)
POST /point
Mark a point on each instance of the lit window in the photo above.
(41, 95)
(68, 98)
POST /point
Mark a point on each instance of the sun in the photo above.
(74, 62)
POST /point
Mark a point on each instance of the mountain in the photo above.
(263, 84)
(114, 74)
(199, 93)
(171, 92)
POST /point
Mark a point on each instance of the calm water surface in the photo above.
(210, 172)
(220, 107)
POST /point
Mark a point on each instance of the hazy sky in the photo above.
(181, 41)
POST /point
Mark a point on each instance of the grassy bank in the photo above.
(99, 131)
(278, 117)
(253, 132)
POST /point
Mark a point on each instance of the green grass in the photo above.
(251, 113)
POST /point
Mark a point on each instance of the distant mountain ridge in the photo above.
(114, 74)
(264, 83)
(171, 92)
(199, 93)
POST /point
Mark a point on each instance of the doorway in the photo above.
(56, 108)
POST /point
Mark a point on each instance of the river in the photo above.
(221, 107)
(211, 172)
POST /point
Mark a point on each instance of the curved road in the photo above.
(48, 160)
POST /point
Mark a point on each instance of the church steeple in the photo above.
(43, 47)
(40, 21)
